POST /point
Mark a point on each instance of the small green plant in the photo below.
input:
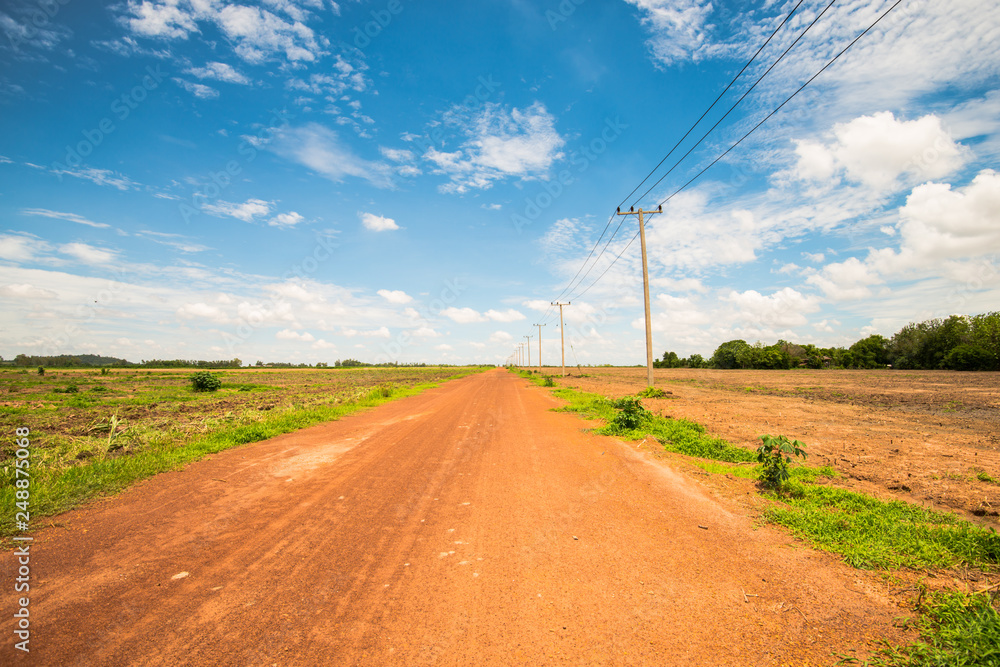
(41, 371)
(105, 371)
(774, 455)
(631, 414)
(651, 392)
(984, 476)
(205, 381)
(549, 382)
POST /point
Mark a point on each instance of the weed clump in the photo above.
(205, 381)
(652, 392)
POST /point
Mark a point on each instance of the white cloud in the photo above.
(377, 223)
(678, 28)
(444, 347)
(20, 247)
(285, 220)
(197, 89)
(288, 334)
(88, 254)
(425, 332)
(258, 35)
(876, 150)
(26, 291)
(938, 222)
(509, 315)
(397, 155)
(321, 150)
(500, 144)
(154, 19)
(847, 280)
(395, 296)
(70, 217)
(463, 315)
(220, 72)
(100, 177)
(785, 308)
(501, 337)
(247, 211)
(204, 311)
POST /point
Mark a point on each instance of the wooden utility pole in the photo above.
(645, 288)
(562, 333)
(539, 345)
(527, 345)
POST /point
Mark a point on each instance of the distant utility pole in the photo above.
(562, 333)
(539, 345)
(528, 346)
(645, 288)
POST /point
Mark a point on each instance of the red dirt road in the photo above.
(465, 526)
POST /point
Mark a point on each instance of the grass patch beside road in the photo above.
(76, 455)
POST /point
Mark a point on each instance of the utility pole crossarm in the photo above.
(645, 287)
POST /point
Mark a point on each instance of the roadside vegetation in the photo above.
(957, 628)
(96, 432)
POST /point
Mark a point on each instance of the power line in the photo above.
(573, 283)
(737, 103)
(712, 105)
(780, 106)
(752, 130)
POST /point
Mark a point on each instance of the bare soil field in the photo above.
(927, 437)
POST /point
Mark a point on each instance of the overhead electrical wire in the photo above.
(752, 130)
(573, 283)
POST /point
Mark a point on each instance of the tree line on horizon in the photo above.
(957, 343)
(94, 360)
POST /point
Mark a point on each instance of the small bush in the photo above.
(631, 414)
(41, 371)
(549, 382)
(205, 381)
(774, 457)
(652, 392)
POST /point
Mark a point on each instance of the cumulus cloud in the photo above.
(463, 315)
(876, 150)
(377, 223)
(784, 308)
(395, 296)
(289, 219)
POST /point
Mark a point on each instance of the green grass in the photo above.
(57, 487)
(956, 629)
(874, 534)
(676, 435)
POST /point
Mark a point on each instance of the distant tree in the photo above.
(871, 352)
(730, 354)
(696, 361)
(969, 358)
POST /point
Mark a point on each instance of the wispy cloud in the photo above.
(70, 217)
(248, 211)
(100, 177)
(197, 89)
(219, 72)
(500, 143)
(321, 150)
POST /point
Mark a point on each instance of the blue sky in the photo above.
(305, 180)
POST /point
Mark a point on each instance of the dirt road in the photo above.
(465, 526)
